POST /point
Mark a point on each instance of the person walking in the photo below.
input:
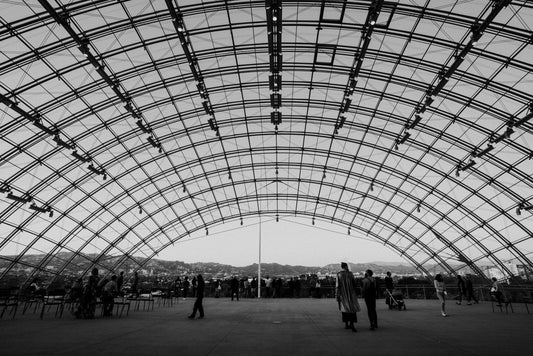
(346, 297)
(370, 291)
(461, 289)
(440, 288)
(470, 291)
(198, 306)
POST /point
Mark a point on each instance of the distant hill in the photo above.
(79, 264)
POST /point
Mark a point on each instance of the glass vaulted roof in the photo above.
(128, 125)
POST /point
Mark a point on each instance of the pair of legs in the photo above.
(107, 304)
(235, 292)
(499, 297)
(470, 296)
(349, 319)
(198, 306)
(372, 314)
(442, 300)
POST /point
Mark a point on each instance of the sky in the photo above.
(292, 241)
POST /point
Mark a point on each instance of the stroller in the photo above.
(394, 299)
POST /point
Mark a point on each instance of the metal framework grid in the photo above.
(128, 125)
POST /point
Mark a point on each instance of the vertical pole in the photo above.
(259, 264)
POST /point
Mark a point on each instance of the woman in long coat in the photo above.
(347, 297)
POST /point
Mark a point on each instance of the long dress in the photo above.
(346, 293)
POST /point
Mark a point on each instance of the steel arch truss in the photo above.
(128, 125)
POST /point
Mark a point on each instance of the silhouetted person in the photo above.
(234, 288)
(278, 283)
(297, 287)
(461, 289)
(440, 289)
(370, 291)
(218, 288)
(253, 286)
(120, 282)
(389, 286)
(108, 295)
(198, 306)
(194, 284)
(347, 297)
(76, 291)
(87, 305)
(470, 291)
(177, 286)
(268, 287)
(497, 291)
(389, 283)
(185, 287)
(135, 285)
(290, 284)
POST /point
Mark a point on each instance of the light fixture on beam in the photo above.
(143, 127)
(346, 105)
(404, 138)
(154, 144)
(41, 209)
(80, 157)
(468, 165)
(523, 120)
(503, 136)
(97, 171)
(5, 189)
(416, 121)
(275, 118)
(39, 125)
(23, 200)
(485, 151)
(62, 143)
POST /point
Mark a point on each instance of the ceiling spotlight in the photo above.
(418, 208)
(206, 231)
(140, 210)
(313, 221)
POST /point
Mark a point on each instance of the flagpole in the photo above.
(259, 264)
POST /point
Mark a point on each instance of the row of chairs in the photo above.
(58, 300)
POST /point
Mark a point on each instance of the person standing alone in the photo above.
(198, 306)
(370, 291)
(440, 289)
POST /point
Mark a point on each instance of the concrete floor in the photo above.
(274, 327)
